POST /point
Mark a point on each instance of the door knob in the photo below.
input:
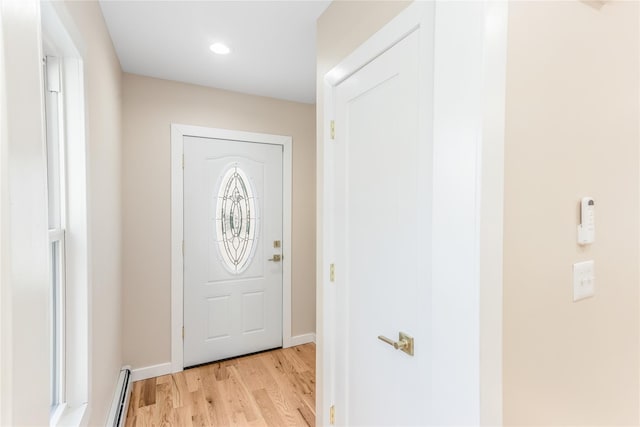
(276, 258)
(404, 343)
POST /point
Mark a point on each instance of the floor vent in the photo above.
(118, 413)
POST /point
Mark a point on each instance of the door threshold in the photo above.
(231, 358)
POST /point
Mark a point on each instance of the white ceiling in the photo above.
(272, 43)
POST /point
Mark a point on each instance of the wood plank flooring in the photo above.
(274, 388)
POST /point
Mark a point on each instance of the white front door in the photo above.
(233, 209)
(381, 240)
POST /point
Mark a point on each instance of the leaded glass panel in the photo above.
(236, 220)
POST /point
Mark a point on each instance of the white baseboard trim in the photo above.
(302, 339)
(151, 371)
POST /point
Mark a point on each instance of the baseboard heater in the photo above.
(118, 413)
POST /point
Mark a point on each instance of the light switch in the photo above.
(584, 283)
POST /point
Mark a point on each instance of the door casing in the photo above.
(468, 96)
(178, 133)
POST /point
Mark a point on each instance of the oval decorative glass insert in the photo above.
(236, 220)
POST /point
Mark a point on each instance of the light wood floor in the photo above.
(274, 388)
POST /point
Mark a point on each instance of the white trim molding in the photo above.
(303, 339)
(178, 133)
(491, 210)
(151, 371)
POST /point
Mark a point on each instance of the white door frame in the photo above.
(178, 133)
(467, 130)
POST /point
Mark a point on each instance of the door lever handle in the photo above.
(404, 343)
(395, 344)
(276, 258)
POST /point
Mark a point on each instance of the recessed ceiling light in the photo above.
(220, 48)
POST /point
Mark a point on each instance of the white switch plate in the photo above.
(584, 281)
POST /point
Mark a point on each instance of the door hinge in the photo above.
(333, 129)
(332, 415)
(332, 272)
(183, 332)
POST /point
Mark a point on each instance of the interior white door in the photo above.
(380, 236)
(232, 234)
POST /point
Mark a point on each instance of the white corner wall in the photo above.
(5, 305)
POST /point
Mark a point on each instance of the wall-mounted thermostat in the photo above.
(587, 227)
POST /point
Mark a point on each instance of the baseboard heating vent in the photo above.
(118, 413)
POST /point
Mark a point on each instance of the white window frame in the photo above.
(58, 327)
(56, 184)
(61, 38)
(5, 346)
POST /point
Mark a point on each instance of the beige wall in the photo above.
(149, 107)
(571, 131)
(28, 390)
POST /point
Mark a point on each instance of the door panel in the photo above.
(253, 311)
(219, 317)
(381, 237)
(232, 216)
